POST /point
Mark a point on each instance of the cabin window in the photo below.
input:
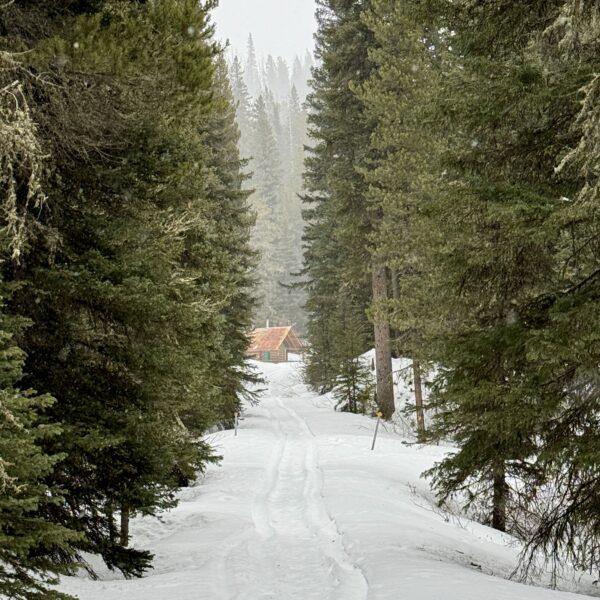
(267, 356)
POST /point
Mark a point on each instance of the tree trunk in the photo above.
(395, 335)
(383, 350)
(419, 401)
(124, 526)
(500, 496)
(112, 529)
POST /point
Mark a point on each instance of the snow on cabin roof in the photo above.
(270, 339)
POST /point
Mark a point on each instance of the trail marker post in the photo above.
(379, 415)
(237, 418)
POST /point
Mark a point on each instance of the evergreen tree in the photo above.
(399, 97)
(283, 78)
(279, 225)
(28, 542)
(266, 201)
(138, 316)
(299, 78)
(243, 104)
(492, 259)
(498, 392)
(489, 236)
(562, 352)
(298, 140)
(354, 385)
(273, 108)
(337, 189)
(252, 73)
(270, 77)
(308, 64)
(227, 249)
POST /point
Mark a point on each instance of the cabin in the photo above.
(274, 344)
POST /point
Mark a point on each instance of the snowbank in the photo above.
(301, 509)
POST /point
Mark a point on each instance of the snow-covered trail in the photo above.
(301, 509)
(295, 550)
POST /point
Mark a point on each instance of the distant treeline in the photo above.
(273, 122)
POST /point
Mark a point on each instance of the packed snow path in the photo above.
(301, 509)
(295, 549)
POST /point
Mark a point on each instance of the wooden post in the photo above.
(237, 415)
(419, 401)
(379, 415)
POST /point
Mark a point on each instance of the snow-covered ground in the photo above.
(301, 509)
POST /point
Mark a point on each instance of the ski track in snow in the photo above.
(301, 509)
(298, 544)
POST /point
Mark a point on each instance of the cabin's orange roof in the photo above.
(270, 339)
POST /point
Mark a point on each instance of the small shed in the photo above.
(274, 344)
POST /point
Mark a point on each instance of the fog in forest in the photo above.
(281, 28)
(269, 74)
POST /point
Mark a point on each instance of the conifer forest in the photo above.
(422, 190)
(269, 97)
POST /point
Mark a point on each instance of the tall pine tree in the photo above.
(340, 222)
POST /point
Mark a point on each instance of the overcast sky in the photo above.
(279, 27)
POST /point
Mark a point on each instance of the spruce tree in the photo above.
(28, 543)
(283, 78)
(308, 64)
(252, 73)
(243, 104)
(227, 249)
(354, 385)
(279, 227)
(492, 258)
(336, 189)
(299, 78)
(139, 313)
(298, 140)
(493, 250)
(399, 98)
(267, 202)
(270, 77)
(562, 350)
